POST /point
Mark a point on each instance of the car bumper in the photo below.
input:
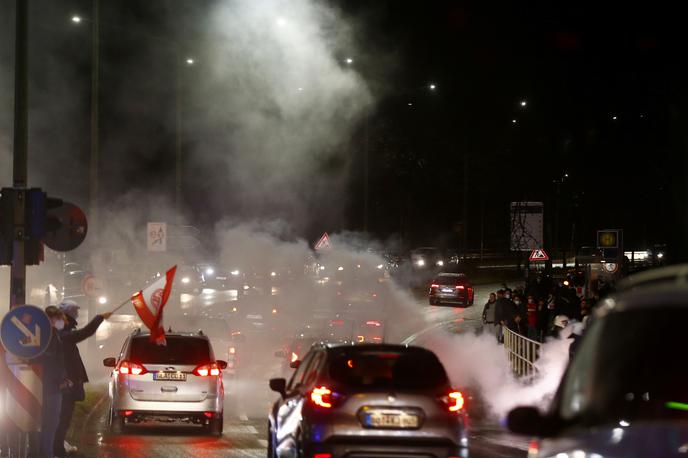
(210, 404)
(450, 299)
(352, 448)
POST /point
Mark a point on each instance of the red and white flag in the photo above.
(149, 304)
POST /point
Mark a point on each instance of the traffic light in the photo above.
(47, 220)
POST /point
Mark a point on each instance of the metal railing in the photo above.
(522, 353)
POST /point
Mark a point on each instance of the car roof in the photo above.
(451, 274)
(375, 347)
(198, 335)
(663, 287)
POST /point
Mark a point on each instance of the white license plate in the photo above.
(447, 290)
(395, 420)
(170, 376)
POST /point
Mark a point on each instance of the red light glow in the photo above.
(375, 323)
(207, 370)
(322, 396)
(458, 401)
(129, 368)
(294, 357)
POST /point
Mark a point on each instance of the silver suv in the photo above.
(367, 400)
(178, 382)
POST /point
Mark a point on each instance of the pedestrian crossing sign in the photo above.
(323, 243)
(538, 255)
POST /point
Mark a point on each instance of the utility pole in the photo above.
(465, 207)
(178, 138)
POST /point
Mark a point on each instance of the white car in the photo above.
(177, 382)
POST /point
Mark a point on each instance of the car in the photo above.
(367, 400)
(451, 288)
(177, 382)
(623, 393)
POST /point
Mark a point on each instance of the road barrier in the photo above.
(522, 353)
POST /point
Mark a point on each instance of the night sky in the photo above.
(605, 93)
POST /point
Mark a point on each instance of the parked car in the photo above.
(180, 381)
(451, 288)
(367, 400)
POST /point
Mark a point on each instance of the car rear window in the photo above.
(179, 350)
(388, 370)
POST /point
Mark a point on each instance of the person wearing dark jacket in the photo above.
(55, 381)
(74, 366)
(504, 313)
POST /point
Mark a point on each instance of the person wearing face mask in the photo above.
(76, 372)
(55, 381)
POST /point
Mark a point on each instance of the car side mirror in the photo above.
(295, 364)
(279, 385)
(528, 421)
(110, 362)
(280, 354)
(221, 364)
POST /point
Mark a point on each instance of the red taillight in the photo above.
(322, 455)
(434, 286)
(130, 368)
(127, 413)
(322, 397)
(207, 370)
(453, 401)
(375, 323)
(460, 287)
(209, 414)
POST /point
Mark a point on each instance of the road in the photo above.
(247, 405)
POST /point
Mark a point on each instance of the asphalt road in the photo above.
(247, 403)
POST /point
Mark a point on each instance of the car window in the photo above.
(314, 368)
(299, 374)
(388, 370)
(179, 350)
(622, 371)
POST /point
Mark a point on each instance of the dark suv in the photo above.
(451, 288)
(367, 400)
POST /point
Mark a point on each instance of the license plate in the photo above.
(392, 420)
(170, 376)
(447, 290)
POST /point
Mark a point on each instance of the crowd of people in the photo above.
(538, 310)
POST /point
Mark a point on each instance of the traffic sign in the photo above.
(323, 243)
(66, 227)
(157, 236)
(91, 285)
(25, 331)
(608, 238)
(538, 255)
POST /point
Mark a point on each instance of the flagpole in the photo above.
(121, 305)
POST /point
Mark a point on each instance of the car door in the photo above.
(289, 411)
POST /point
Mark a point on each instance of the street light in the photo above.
(524, 103)
(76, 19)
(513, 121)
(190, 61)
(349, 60)
(432, 86)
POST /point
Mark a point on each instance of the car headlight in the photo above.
(420, 263)
(440, 263)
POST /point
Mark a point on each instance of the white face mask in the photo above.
(517, 302)
(59, 325)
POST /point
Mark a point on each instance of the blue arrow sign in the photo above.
(25, 331)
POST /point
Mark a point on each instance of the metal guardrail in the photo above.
(522, 353)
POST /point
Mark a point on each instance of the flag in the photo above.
(149, 304)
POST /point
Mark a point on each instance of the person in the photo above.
(504, 313)
(543, 319)
(532, 313)
(76, 372)
(54, 380)
(489, 313)
(560, 323)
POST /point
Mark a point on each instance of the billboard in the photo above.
(527, 222)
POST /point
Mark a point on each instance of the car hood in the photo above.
(637, 440)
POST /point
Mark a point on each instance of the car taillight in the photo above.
(453, 401)
(131, 368)
(460, 287)
(375, 323)
(434, 285)
(206, 370)
(324, 397)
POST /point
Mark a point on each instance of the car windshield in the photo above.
(388, 370)
(624, 372)
(179, 350)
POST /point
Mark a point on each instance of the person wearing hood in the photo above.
(74, 366)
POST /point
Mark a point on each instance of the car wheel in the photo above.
(272, 453)
(216, 426)
(116, 423)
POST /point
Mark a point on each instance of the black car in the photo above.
(367, 400)
(451, 288)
